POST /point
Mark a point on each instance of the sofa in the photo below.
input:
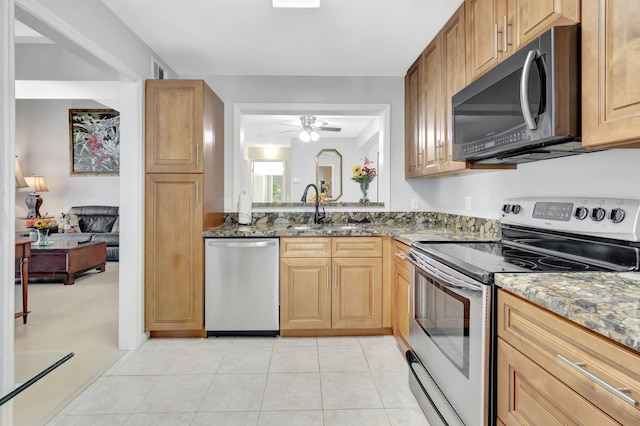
(96, 223)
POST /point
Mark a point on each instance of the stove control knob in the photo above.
(515, 209)
(598, 214)
(506, 208)
(581, 213)
(616, 215)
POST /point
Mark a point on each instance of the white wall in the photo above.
(613, 173)
(52, 62)
(42, 146)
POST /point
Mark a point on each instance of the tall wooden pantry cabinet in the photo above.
(184, 194)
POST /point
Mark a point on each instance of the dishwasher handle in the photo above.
(249, 244)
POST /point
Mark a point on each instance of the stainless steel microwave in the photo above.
(525, 109)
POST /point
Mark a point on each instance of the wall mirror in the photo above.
(329, 174)
(280, 148)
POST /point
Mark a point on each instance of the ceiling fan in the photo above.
(310, 127)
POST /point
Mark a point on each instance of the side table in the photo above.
(23, 252)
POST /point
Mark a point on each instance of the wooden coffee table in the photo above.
(67, 259)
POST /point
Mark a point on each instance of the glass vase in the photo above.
(42, 236)
(364, 187)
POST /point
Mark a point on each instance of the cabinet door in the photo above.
(305, 293)
(530, 18)
(485, 19)
(528, 394)
(610, 69)
(454, 79)
(357, 293)
(174, 286)
(401, 289)
(431, 95)
(174, 126)
(414, 136)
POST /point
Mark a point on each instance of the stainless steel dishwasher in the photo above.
(242, 282)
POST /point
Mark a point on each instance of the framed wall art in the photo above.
(95, 142)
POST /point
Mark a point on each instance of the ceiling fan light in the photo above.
(301, 4)
(314, 136)
(304, 136)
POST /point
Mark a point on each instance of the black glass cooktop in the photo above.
(481, 260)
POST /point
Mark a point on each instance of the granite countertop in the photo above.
(605, 302)
(403, 233)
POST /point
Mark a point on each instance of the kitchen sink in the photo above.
(321, 227)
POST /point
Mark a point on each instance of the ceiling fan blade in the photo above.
(330, 129)
(289, 131)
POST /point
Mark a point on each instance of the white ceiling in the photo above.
(279, 130)
(250, 37)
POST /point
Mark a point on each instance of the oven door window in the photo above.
(444, 317)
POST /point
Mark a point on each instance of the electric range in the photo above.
(452, 328)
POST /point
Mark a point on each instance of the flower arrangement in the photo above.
(39, 223)
(364, 175)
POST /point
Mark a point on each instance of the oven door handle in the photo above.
(446, 280)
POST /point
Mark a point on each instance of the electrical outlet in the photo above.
(227, 203)
(467, 203)
(414, 204)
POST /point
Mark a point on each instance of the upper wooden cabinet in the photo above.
(413, 138)
(610, 69)
(485, 20)
(175, 131)
(430, 83)
(496, 28)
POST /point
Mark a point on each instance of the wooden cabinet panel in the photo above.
(530, 18)
(431, 62)
(610, 67)
(356, 246)
(453, 42)
(414, 136)
(322, 292)
(527, 394)
(174, 126)
(401, 288)
(174, 252)
(305, 299)
(357, 293)
(484, 19)
(305, 247)
(544, 337)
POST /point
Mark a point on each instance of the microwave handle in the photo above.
(524, 90)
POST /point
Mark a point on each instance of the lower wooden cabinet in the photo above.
(305, 293)
(334, 290)
(401, 290)
(552, 371)
(528, 394)
(174, 252)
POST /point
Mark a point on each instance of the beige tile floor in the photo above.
(252, 381)
(215, 381)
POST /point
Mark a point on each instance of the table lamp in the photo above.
(33, 200)
(20, 181)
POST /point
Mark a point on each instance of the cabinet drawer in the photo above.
(400, 251)
(305, 247)
(356, 246)
(551, 341)
(527, 394)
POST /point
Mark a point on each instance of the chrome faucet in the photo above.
(317, 217)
